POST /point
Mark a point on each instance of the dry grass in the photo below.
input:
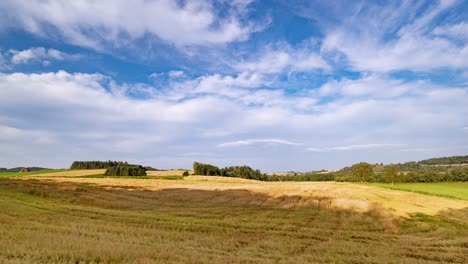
(71, 173)
(50, 220)
(340, 195)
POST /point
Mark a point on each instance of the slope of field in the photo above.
(73, 220)
(71, 173)
(341, 195)
(458, 190)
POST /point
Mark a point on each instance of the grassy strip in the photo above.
(456, 190)
(19, 174)
(168, 177)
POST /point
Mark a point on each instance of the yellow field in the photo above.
(71, 218)
(71, 173)
(296, 194)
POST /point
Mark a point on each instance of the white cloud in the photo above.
(90, 116)
(457, 31)
(40, 54)
(176, 74)
(14, 135)
(375, 40)
(98, 23)
(282, 59)
(357, 147)
(376, 85)
(248, 142)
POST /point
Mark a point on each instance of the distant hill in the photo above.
(446, 160)
(17, 169)
(422, 165)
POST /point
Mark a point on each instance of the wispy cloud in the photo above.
(40, 54)
(249, 142)
(357, 147)
(391, 38)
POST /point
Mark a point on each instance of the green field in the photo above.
(66, 222)
(18, 174)
(457, 190)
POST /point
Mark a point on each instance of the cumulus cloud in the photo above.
(98, 23)
(91, 118)
(40, 54)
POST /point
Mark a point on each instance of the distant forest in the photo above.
(443, 169)
(93, 165)
(113, 168)
(421, 171)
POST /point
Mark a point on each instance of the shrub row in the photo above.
(245, 172)
(123, 169)
(92, 165)
(303, 177)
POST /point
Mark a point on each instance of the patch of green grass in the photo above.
(19, 174)
(170, 177)
(458, 190)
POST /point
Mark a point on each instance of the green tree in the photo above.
(185, 173)
(391, 174)
(362, 172)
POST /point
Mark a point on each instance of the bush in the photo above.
(126, 170)
(235, 171)
(362, 172)
(185, 173)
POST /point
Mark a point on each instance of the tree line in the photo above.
(113, 168)
(360, 172)
(446, 160)
(245, 172)
(93, 165)
(364, 172)
(125, 169)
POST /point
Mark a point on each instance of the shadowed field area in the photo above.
(339, 194)
(59, 221)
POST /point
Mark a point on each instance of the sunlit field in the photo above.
(199, 219)
(457, 190)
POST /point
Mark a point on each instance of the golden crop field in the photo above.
(71, 219)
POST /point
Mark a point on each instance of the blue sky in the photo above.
(277, 85)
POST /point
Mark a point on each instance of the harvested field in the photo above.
(338, 195)
(199, 220)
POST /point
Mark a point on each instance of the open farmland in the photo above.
(73, 218)
(457, 190)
